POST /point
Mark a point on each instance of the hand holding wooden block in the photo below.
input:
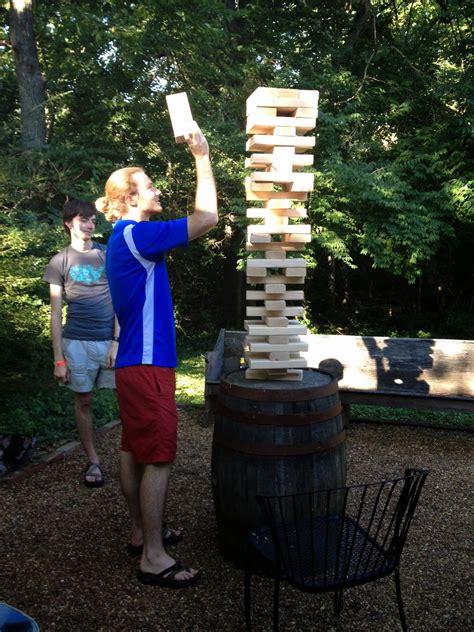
(180, 114)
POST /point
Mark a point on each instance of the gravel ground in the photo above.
(63, 559)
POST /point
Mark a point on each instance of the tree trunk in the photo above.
(28, 74)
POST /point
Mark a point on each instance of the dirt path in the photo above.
(63, 559)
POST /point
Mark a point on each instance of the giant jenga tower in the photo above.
(277, 120)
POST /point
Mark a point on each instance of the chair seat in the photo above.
(332, 539)
(325, 553)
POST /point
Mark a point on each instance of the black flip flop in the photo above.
(99, 478)
(170, 537)
(167, 578)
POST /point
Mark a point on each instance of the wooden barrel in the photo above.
(272, 438)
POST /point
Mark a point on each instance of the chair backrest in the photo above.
(334, 538)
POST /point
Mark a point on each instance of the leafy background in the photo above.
(392, 214)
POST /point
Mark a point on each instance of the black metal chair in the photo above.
(334, 539)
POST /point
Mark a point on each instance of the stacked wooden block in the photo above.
(277, 120)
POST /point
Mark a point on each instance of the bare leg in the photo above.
(153, 490)
(82, 411)
(130, 478)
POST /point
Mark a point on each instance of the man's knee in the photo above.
(83, 401)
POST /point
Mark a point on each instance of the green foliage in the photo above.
(392, 212)
(24, 312)
(49, 415)
(416, 417)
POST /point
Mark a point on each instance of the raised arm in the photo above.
(205, 215)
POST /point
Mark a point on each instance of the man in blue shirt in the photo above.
(146, 359)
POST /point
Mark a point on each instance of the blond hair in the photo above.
(117, 188)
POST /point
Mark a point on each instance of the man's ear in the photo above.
(131, 199)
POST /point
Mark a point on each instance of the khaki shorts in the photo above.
(87, 364)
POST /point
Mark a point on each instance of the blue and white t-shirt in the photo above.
(138, 281)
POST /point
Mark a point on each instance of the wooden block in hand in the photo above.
(180, 114)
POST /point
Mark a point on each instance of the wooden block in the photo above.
(298, 181)
(308, 95)
(265, 330)
(270, 97)
(280, 278)
(268, 347)
(303, 182)
(260, 295)
(291, 295)
(180, 114)
(248, 339)
(279, 340)
(251, 194)
(258, 272)
(253, 264)
(284, 105)
(275, 220)
(258, 238)
(300, 363)
(260, 142)
(267, 159)
(296, 239)
(275, 247)
(295, 271)
(290, 312)
(279, 253)
(258, 124)
(275, 288)
(261, 110)
(275, 304)
(307, 113)
(253, 280)
(256, 356)
(273, 204)
(258, 186)
(277, 229)
(274, 278)
(284, 131)
(280, 356)
(276, 321)
(264, 213)
(283, 158)
(264, 191)
(287, 375)
(275, 176)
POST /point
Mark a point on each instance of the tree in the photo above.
(31, 85)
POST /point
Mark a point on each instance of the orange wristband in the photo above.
(60, 363)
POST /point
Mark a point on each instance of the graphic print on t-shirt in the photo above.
(86, 273)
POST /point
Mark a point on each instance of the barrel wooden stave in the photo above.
(239, 476)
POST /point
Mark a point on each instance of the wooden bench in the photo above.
(414, 373)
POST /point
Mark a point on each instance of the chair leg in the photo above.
(276, 600)
(399, 600)
(337, 602)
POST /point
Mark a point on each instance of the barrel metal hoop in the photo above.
(303, 419)
(278, 450)
(279, 395)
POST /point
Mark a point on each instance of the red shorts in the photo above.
(146, 397)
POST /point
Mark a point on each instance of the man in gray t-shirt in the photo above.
(85, 349)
